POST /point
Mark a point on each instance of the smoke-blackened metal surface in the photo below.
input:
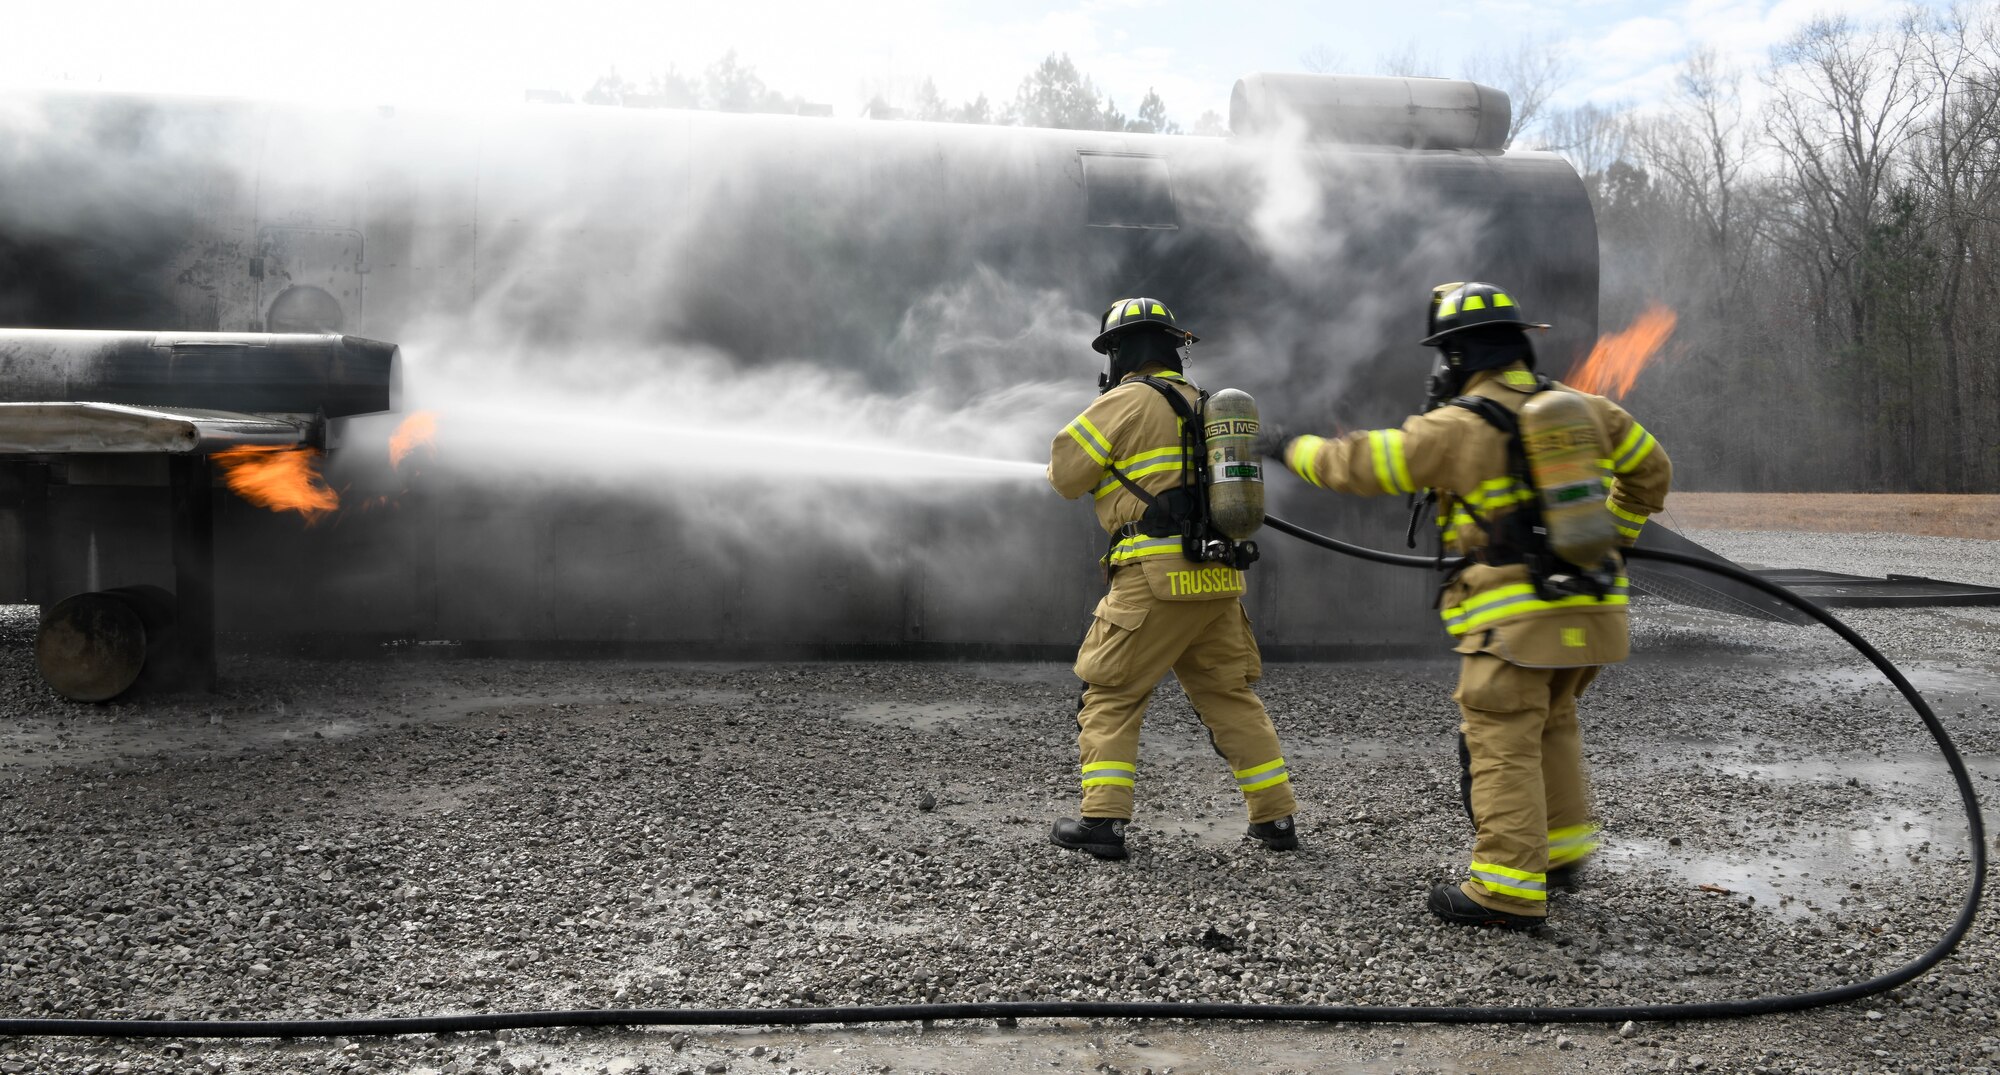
(654, 340)
(1833, 589)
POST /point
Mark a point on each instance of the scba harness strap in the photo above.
(1520, 537)
(1182, 511)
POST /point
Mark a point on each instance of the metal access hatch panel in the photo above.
(1832, 589)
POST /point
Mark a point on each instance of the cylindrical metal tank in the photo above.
(1410, 113)
(936, 280)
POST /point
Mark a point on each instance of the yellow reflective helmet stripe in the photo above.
(1472, 302)
(1501, 298)
(1158, 309)
(1134, 309)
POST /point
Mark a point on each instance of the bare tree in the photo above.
(1530, 73)
(1699, 149)
(1957, 157)
(1409, 58)
(1591, 137)
(1844, 103)
(1321, 60)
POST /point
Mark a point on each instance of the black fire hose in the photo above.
(1007, 1012)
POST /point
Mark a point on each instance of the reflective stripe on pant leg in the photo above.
(1572, 843)
(1108, 747)
(1505, 708)
(1565, 784)
(1216, 672)
(1119, 773)
(1125, 667)
(1258, 777)
(1508, 881)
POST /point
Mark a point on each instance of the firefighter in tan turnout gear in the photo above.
(1129, 451)
(1538, 483)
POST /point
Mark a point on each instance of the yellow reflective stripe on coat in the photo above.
(1090, 439)
(1630, 522)
(1633, 450)
(1524, 884)
(1303, 458)
(1506, 601)
(1391, 469)
(1572, 842)
(1140, 546)
(1158, 461)
(1115, 773)
(1498, 493)
(1258, 777)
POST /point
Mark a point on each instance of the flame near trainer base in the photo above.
(740, 384)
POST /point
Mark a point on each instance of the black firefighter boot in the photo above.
(1279, 835)
(1450, 903)
(1101, 836)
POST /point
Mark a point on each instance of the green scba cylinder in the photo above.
(1568, 460)
(1235, 472)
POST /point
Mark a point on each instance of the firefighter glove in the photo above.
(1271, 440)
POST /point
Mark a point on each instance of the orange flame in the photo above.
(281, 479)
(419, 428)
(1615, 362)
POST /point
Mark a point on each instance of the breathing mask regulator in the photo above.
(1565, 533)
(1220, 501)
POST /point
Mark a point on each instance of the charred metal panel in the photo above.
(1128, 190)
(65, 428)
(293, 374)
(1832, 589)
(1702, 589)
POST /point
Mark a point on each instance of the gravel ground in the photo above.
(412, 835)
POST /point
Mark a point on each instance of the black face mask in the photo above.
(1138, 351)
(1443, 384)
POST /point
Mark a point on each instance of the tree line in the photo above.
(1055, 94)
(1826, 225)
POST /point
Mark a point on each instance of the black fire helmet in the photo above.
(1456, 308)
(1127, 316)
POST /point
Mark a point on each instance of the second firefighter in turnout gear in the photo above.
(1162, 611)
(1533, 628)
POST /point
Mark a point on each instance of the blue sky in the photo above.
(413, 51)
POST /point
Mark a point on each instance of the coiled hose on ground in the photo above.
(1009, 1011)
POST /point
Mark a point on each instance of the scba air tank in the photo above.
(1568, 459)
(1235, 471)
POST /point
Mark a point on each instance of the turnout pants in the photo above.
(1523, 778)
(1134, 641)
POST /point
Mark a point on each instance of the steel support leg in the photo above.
(193, 514)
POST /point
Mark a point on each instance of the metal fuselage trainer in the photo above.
(227, 264)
